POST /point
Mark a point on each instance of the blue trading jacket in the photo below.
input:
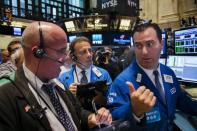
(67, 78)
(119, 99)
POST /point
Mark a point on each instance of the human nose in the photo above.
(64, 59)
(144, 50)
(89, 53)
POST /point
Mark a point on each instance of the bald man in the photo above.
(35, 101)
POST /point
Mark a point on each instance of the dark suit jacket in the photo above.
(15, 114)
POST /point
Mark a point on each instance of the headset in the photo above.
(72, 50)
(39, 51)
(72, 46)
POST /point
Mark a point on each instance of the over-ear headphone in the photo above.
(73, 43)
(39, 51)
(72, 51)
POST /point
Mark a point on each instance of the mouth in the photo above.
(147, 60)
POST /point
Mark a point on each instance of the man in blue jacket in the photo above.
(81, 54)
(150, 79)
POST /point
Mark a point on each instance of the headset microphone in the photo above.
(76, 61)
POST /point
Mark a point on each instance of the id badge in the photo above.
(153, 115)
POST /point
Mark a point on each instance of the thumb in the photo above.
(131, 87)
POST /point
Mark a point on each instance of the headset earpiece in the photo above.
(73, 57)
(38, 52)
(72, 51)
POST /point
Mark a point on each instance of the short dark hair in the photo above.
(77, 40)
(144, 26)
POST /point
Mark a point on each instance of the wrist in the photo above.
(91, 124)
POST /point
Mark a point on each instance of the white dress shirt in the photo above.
(78, 75)
(35, 85)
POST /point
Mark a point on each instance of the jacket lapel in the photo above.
(21, 84)
(168, 90)
(146, 81)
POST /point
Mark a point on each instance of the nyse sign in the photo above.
(131, 3)
(109, 3)
(121, 7)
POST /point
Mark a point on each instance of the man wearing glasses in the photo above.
(34, 100)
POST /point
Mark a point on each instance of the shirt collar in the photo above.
(149, 72)
(78, 70)
(32, 78)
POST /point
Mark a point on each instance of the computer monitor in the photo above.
(162, 61)
(190, 69)
(185, 41)
(17, 31)
(97, 39)
(176, 63)
(71, 38)
(164, 50)
(184, 67)
(122, 39)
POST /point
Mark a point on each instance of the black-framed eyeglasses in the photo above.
(62, 51)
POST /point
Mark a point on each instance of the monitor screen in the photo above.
(184, 67)
(176, 63)
(162, 61)
(190, 69)
(185, 41)
(164, 50)
(17, 31)
(125, 24)
(71, 38)
(72, 26)
(122, 39)
(97, 39)
(97, 22)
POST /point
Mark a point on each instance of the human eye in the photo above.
(82, 52)
(63, 51)
(150, 43)
(90, 50)
(138, 45)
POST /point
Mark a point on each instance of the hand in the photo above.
(102, 117)
(142, 99)
(73, 88)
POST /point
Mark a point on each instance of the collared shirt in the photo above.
(152, 76)
(78, 74)
(7, 68)
(35, 85)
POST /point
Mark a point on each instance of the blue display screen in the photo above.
(71, 38)
(17, 31)
(97, 39)
(122, 38)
